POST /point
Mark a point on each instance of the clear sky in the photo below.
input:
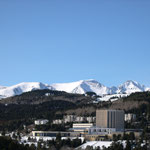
(54, 41)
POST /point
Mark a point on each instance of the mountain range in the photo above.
(79, 87)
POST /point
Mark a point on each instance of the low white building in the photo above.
(100, 131)
(81, 127)
(40, 121)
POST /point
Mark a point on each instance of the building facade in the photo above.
(81, 127)
(101, 131)
(110, 119)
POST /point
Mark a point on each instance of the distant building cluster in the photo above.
(106, 123)
(74, 118)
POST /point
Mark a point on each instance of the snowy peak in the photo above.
(130, 87)
(21, 88)
(147, 89)
(82, 86)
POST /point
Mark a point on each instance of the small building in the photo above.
(92, 137)
(101, 131)
(40, 121)
(54, 134)
(69, 118)
(129, 117)
(91, 119)
(82, 125)
(80, 119)
(58, 121)
(100, 134)
(49, 133)
(81, 128)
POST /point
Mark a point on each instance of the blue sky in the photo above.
(54, 41)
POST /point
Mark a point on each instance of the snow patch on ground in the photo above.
(96, 144)
(112, 97)
(100, 144)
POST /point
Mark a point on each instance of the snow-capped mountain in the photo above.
(147, 89)
(79, 87)
(83, 86)
(130, 87)
(2, 87)
(113, 90)
(21, 88)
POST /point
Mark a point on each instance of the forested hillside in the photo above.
(24, 109)
(17, 111)
(40, 96)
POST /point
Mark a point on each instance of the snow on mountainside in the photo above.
(83, 86)
(147, 89)
(2, 87)
(21, 88)
(79, 87)
(130, 87)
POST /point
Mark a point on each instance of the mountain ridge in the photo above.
(78, 87)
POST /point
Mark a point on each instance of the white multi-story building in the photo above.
(40, 121)
(58, 121)
(74, 118)
(129, 117)
(90, 119)
(80, 119)
(69, 118)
